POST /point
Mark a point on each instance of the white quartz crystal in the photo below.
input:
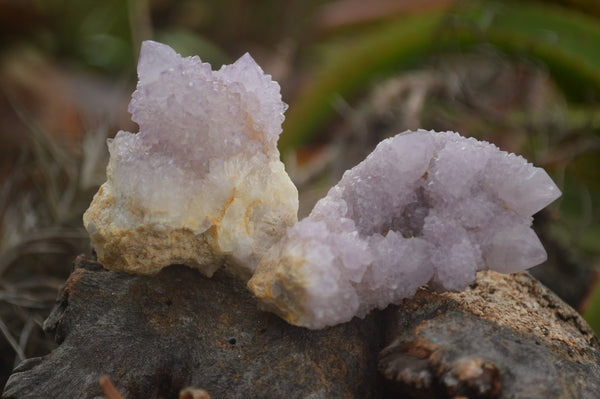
(201, 183)
(423, 207)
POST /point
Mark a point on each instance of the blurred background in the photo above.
(524, 75)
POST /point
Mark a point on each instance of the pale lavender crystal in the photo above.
(201, 183)
(423, 207)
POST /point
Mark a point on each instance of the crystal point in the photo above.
(155, 58)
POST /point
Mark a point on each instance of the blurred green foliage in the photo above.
(566, 42)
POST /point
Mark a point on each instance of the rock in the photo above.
(155, 335)
(506, 336)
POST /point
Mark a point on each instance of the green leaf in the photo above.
(566, 42)
(353, 66)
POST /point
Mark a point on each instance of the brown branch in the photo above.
(108, 388)
(193, 393)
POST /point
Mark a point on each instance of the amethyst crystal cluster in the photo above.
(423, 207)
(201, 184)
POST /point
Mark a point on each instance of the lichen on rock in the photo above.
(423, 207)
(201, 184)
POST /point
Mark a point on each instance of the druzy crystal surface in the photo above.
(201, 184)
(423, 207)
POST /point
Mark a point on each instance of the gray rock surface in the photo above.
(154, 336)
(507, 336)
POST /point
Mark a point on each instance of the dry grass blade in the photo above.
(12, 341)
(46, 241)
(41, 203)
(24, 337)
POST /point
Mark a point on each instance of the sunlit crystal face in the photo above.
(422, 207)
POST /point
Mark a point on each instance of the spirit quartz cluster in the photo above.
(423, 207)
(201, 184)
